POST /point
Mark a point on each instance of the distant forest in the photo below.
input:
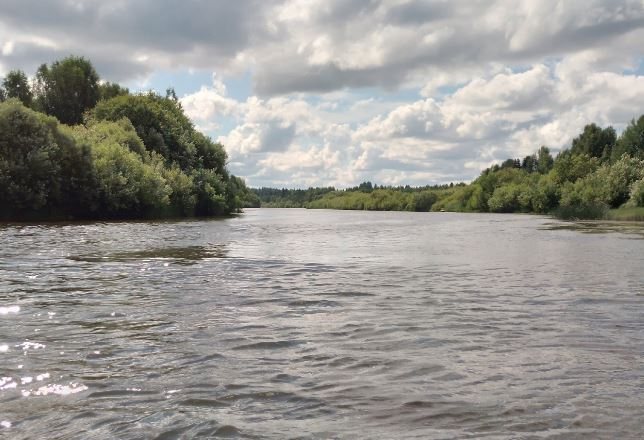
(73, 147)
(599, 173)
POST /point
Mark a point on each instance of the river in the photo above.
(322, 324)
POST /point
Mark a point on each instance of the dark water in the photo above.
(322, 324)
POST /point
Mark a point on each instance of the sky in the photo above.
(336, 92)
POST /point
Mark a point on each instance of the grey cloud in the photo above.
(342, 12)
(28, 56)
(275, 137)
(470, 44)
(191, 33)
(210, 34)
(417, 12)
(288, 77)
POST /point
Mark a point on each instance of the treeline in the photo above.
(288, 198)
(599, 172)
(72, 147)
(366, 196)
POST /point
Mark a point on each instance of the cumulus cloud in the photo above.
(393, 91)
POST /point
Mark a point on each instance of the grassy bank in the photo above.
(626, 214)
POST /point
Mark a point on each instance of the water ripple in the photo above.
(300, 324)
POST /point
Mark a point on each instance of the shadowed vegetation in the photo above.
(74, 148)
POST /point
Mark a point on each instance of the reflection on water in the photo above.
(322, 324)
(185, 255)
(598, 227)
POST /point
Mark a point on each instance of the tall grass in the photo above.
(626, 214)
(591, 211)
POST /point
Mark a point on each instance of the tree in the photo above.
(43, 172)
(631, 141)
(16, 85)
(637, 194)
(511, 163)
(108, 90)
(129, 182)
(164, 128)
(67, 88)
(171, 94)
(595, 141)
(529, 163)
(545, 161)
(569, 167)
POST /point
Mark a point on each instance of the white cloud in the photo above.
(209, 102)
(396, 91)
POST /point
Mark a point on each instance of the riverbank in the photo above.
(626, 214)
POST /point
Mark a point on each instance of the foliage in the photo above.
(109, 90)
(609, 185)
(66, 89)
(595, 142)
(121, 132)
(210, 193)
(134, 156)
(16, 85)
(637, 194)
(165, 129)
(631, 142)
(43, 172)
(243, 196)
(129, 185)
(289, 198)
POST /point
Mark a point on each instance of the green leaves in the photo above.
(41, 168)
(66, 89)
(16, 85)
(631, 142)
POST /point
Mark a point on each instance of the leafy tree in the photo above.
(637, 194)
(210, 191)
(569, 167)
(108, 90)
(595, 141)
(546, 195)
(511, 163)
(631, 141)
(529, 163)
(129, 184)
(545, 162)
(16, 85)
(423, 201)
(183, 199)
(43, 172)
(610, 185)
(165, 129)
(505, 199)
(67, 88)
(365, 187)
(171, 94)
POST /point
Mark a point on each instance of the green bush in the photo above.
(637, 194)
(43, 171)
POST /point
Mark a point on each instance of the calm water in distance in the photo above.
(322, 324)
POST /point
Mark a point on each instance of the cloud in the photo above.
(341, 91)
(312, 45)
(209, 102)
(143, 34)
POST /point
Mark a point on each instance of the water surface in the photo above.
(322, 324)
